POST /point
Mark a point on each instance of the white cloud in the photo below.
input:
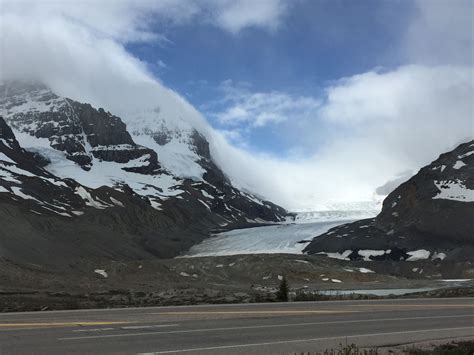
(132, 21)
(442, 33)
(78, 62)
(123, 21)
(234, 15)
(258, 109)
(161, 64)
(380, 124)
(235, 137)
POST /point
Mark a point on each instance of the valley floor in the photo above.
(221, 279)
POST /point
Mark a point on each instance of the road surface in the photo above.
(236, 329)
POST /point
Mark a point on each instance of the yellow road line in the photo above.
(416, 305)
(57, 324)
(310, 311)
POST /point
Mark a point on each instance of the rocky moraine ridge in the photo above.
(74, 184)
(430, 216)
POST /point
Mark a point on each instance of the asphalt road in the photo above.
(236, 329)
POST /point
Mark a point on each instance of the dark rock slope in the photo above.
(430, 216)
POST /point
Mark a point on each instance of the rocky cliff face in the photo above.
(77, 129)
(73, 178)
(428, 216)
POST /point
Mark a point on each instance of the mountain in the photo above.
(78, 182)
(430, 216)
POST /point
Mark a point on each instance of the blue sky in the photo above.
(318, 42)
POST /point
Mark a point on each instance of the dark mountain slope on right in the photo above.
(430, 216)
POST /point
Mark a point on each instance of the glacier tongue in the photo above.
(280, 238)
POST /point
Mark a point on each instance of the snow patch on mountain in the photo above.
(103, 173)
(4, 158)
(454, 190)
(176, 155)
(368, 254)
(340, 256)
(458, 165)
(90, 201)
(465, 155)
(438, 256)
(18, 192)
(420, 254)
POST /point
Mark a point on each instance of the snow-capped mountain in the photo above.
(69, 163)
(429, 216)
(78, 130)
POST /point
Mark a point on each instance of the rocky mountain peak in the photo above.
(425, 217)
(79, 130)
(437, 200)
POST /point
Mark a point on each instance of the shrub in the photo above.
(345, 350)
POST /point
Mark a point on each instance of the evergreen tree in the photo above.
(282, 294)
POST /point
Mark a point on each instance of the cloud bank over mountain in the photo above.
(356, 134)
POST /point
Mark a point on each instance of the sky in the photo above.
(305, 102)
(306, 47)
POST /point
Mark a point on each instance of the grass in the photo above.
(454, 348)
(307, 296)
(345, 350)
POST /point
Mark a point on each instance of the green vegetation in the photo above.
(309, 295)
(306, 296)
